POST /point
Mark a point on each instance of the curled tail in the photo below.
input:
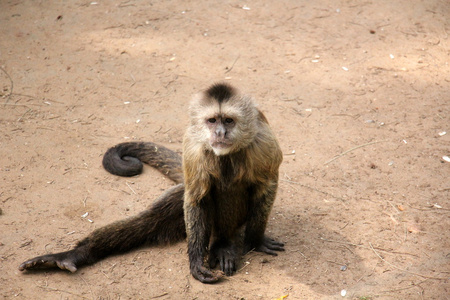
(162, 223)
(126, 159)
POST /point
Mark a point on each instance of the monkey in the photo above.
(226, 183)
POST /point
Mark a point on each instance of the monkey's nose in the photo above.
(221, 132)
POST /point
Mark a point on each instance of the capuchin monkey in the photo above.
(226, 182)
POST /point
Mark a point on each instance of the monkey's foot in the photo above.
(64, 260)
(267, 245)
(226, 255)
(205, 275)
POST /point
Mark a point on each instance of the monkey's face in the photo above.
(229, 126)
(222, 121)
(221, 133)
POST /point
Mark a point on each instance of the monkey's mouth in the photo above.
(221, 145)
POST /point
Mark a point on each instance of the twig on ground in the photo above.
(245, 266)
(159, 296)
(228, 70)
(130, 188)
(300, 253)
(365, 247)
(350, 150)
(314, 189)
(12, 86)
(61, 291)
(406, 288)
(403, 270)
(21, 117)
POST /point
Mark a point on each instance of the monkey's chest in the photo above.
(231, 204)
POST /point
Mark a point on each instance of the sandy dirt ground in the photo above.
(357, 92)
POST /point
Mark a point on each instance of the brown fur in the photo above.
(225, 192)
(221, 190)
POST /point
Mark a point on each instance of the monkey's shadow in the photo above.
(315, 255)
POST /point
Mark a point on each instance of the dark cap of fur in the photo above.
(221, 92)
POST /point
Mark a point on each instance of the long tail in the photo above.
(126, 159)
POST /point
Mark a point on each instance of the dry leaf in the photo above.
(413, 228)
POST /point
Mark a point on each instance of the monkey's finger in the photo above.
(222, 264)
(205, 275)
(228, 266)
(212, 262)
(232, 264)
(276, 243)
(276, 247)
(268, 251)
(268, 240)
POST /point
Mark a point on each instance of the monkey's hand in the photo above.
(267, 245)
(226, 255)
(64, 260)
(205, 275)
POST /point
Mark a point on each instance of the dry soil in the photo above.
(358, 93)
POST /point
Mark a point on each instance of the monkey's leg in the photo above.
(255, 239)
(162, 223)
(198, 233)
(68, 260)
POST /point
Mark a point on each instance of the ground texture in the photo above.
(358, 93)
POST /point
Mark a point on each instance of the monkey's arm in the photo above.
(162, 223)
(198, 234)
(260, 208)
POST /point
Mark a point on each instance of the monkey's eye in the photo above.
(212, 120)
(229, 120)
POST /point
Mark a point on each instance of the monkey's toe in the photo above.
(67, 265)
(37, 262)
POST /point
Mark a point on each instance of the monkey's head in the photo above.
(223, 120)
